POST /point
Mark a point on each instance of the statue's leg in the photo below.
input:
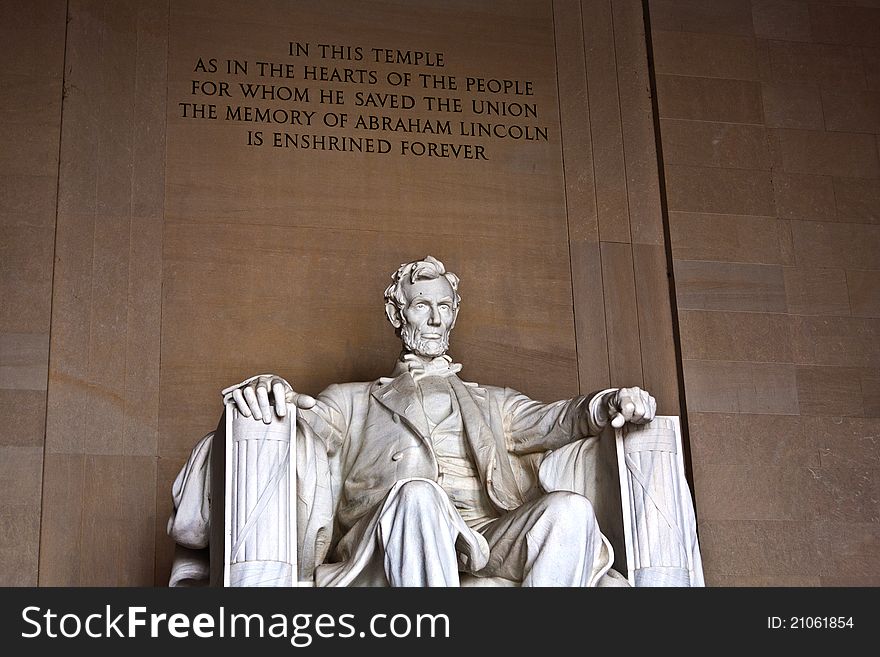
(551, 541)
(418, 536)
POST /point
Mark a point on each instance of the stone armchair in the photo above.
(253, 506)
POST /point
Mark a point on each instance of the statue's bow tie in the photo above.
(440, 366)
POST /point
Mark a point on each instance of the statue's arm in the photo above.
(533, 426)
(265, 396)
(329, 417)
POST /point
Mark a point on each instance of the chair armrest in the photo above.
(635, 480)
(659, 522)
(275, 525)
(259, 525)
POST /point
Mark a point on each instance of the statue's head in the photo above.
(422, 304)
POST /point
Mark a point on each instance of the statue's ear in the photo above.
(393, 314)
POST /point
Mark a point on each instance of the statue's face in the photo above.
(429, 316)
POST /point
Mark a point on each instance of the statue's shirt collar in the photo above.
(419, 368)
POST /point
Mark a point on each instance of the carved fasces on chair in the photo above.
(260, 547)
(661, 538)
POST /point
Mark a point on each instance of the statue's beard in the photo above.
(421, 347)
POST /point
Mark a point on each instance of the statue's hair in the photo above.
(427, 269)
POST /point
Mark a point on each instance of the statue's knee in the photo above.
(418, 493)
(569, 505)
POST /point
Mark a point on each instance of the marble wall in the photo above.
(32, 75)
(769, 116)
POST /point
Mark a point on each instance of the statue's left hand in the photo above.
(631, 405)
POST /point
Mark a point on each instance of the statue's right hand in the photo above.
(251, 397)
